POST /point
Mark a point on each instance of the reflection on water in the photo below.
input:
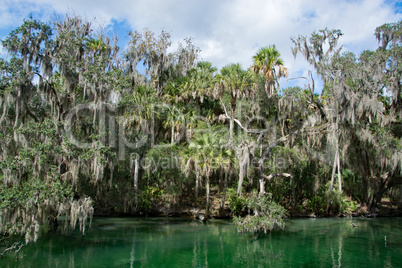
(162, 242)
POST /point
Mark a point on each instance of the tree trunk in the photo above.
(225, 185)
(262, 186)
(339, 172)
(262, 181)
(207, 190)
(244, 158)
(136, 179)
(172, 137)
(383, 183)
(281, 122)
(332, 180)
(231, 127)
(374, 200)
(220, 187)
(370, 199)
(292, 185)
(197, 184)
(400, 197)
(241, 179)
(152, 130)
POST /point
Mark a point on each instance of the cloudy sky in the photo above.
(226, 31)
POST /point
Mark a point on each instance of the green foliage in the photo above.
(149, 197)
(339, 202)
(268, 215)
(352, 184)
(11, 75)
(27, 39)
(34, 191)
(237, 204)
(316, 204)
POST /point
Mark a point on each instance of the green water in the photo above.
(163, 242)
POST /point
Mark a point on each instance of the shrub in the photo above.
(268, 215)
(148, 198)
(316, 204)
(237, 204)
(339, 203)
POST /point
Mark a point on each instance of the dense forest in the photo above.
(87, 129)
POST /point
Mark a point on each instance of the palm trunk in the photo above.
(231, 127)
(197, 184)
(136, 179)
(172, 137)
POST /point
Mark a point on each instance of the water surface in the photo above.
(173, 242)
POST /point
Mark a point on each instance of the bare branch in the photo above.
(13, 247)
(287, 175)
(240, 124)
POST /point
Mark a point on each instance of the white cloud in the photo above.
(227, 31)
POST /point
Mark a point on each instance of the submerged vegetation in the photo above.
(86, 128)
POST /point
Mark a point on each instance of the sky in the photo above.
(226, 31)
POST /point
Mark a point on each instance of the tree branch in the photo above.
(241, 126)
(31, 114)
(51, 86)
(287, 175)
(13, 246)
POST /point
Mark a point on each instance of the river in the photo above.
(176, 242)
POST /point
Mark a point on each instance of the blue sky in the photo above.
(226, 31)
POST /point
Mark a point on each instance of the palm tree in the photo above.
(268, 62)
(137, 125)
(96, 45)
(175, 120)
(238, 83)
(200, 83)
(206, 154)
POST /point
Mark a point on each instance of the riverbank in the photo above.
(386, 208)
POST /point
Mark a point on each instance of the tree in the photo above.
(353, 98)
(268, 63)
(236, 82)
(38, 158)
(200, 84)
(160, 65)
(207, 153)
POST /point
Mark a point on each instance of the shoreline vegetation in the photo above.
(386, 208)
(88, 129)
